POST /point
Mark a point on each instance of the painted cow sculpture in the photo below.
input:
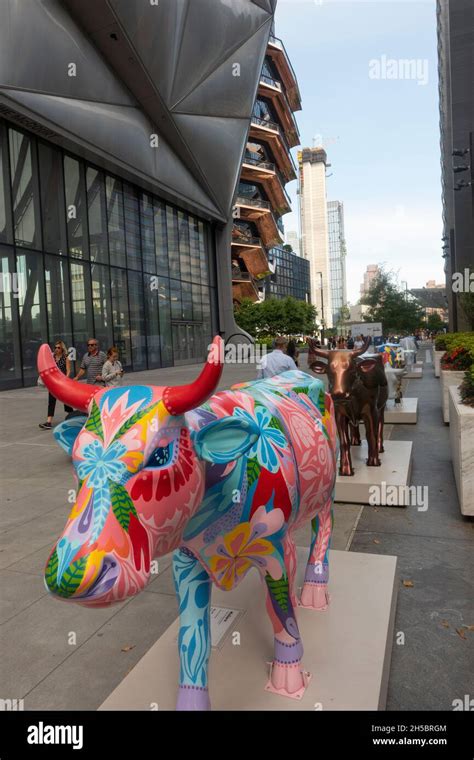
(359, 390)
(222, 480)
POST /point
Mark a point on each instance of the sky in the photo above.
(379, 123)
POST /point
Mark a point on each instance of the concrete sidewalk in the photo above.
(56, 655)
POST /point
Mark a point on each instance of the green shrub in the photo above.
(451, 341)
(467, 388)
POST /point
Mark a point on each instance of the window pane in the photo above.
(75, 187)
(148, 233)
(194, 250)
(10, 358)
(187, 301)
(97, 215)
(161, 239)
(52, 195)
(137, 320)
(175, 294)
(203, 255)
(82, 324)
(58, 299)
(24, 190)
(5, 207)
(165, 322)
(116, 221)
(173, 249)
(101, 305)
(32, 307)
(121, 316)
(132, 226)
(197, 305)
(152, 321)
(184, 258)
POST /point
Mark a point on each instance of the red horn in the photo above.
(181, 398)
(61, 387)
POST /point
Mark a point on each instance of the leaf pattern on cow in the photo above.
(277, 424)
(94, 422)
(122, 504)
(253, 471)
(279, 589)
(72, 578)
(134, 419)
(51, 572)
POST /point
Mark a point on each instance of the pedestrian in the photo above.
(64, 365)
(292, 351)
(350, 342)
(276, 361)
(92, 363)
(112, 371)
(359, 342)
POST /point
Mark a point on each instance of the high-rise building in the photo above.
(267, 166)
(456, 88)
(337, 258)
(314, 228)
(120, 153)
(292, 239)
(372, 271)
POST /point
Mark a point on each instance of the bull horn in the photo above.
(179, 399)
(360, 351)
(61, 387)
(317, 351)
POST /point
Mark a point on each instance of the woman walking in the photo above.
(64, 364)
(112, 371)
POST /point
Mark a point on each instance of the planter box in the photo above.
(461, 434)
(437, 362)
(448, 378)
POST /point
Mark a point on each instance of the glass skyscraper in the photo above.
(337, 258)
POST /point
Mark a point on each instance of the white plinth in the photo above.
(437, 362)
(367, 482)
(347, 648)
(461, 435)
(415, 373)
(405, 413)
(449, 378)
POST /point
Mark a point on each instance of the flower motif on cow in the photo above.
(245, 547)
(271, 439)
(102, 464)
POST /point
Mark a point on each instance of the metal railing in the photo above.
(256, 202)
(270, 81)
(242, 240)
(259, 164)
(265, 123)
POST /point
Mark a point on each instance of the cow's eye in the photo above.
(161, 456)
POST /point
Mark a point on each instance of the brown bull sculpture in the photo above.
(359, 390)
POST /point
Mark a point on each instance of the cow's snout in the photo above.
(341, 395)
(88, 580)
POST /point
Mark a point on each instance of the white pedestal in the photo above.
(415, 373)
(461, 435)
(437, 362)
(367, 482)
(449, 378)
(347, 648)
(405, 413)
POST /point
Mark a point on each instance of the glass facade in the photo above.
(290, 277)
(84, 253)
(337, 258)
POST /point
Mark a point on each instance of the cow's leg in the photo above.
(314, 593)
(345, 466)
(371, 429)
(355, 434)
(287, 677)
(380, 430)
(193, 588)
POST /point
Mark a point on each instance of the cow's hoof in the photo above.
(346, 472)
(315, 596)
(381, 449)
(287, 680)
(193, 698)
(374, 462)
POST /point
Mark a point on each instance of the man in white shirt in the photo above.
(277, 361)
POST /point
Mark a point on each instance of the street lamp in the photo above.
(322, 308)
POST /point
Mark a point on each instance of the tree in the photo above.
(434, 323)
(276, 316)
(344, 315)
(398, 312)
(288, 247)
(247, 316)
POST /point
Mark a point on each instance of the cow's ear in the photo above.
(225, 440)
(367, 365)
(320, 368)
(66, 432)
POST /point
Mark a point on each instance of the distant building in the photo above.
(314, 227)
(456, 89)
(337, 258)
(290, 276)
(432, 299)
(292, 239)
(373, 270)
